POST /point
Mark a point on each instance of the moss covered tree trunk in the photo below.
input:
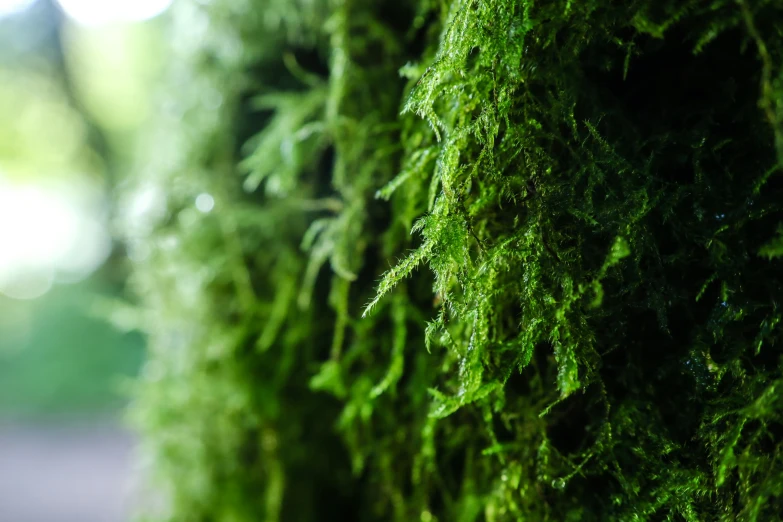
(465, 260)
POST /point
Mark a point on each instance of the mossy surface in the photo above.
(468, 260)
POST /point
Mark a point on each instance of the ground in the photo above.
(72, 473)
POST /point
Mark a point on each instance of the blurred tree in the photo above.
(55, 356)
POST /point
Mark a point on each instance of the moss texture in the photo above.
(468, 260)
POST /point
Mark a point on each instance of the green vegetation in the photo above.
(584, 323)
(58, 359)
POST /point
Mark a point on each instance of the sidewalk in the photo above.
(76, 473)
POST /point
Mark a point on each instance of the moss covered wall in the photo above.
(468, 260)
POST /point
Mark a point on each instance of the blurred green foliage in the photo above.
(58, 355)
(58, 359)
(585, 323)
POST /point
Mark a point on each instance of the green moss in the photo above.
(584, 323)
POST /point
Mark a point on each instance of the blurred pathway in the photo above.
(73, 473)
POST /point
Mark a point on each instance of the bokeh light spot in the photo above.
(205, 202)
(9, 7)
(44, 236)
(98, 12)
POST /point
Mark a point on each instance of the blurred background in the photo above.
(77, 79)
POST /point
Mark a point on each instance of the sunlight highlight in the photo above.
(9, 7)
(45, 236)
(99, 12)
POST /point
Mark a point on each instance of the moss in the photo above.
(468, 261)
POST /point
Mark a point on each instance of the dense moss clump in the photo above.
(465, 260)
